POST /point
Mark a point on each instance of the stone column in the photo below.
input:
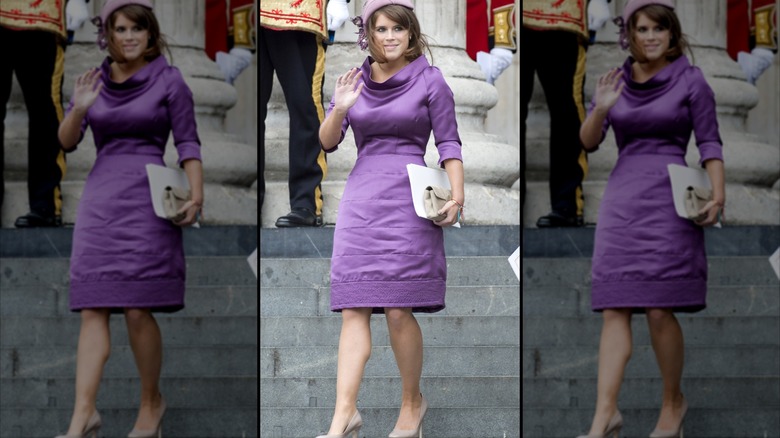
(230, 167)
(491, 165)
(752, 166)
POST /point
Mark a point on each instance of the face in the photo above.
(390, 36)
(651, 38)
(130, 38)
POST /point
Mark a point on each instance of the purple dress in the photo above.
(644, 254)
(384, 255)
(123, 254)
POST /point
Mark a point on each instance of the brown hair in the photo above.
(667, 19)
(146, 20)
(406, 18)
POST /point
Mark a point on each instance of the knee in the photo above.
(397, 318)
(659, 317)
(137, 317)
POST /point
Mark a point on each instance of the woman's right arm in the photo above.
(85, 92)
(607, 94)
(70, 129)
(344, 97)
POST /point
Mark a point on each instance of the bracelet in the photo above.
(459, 204)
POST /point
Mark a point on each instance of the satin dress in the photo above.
(644, 254)
(123, 254)
(384, 255)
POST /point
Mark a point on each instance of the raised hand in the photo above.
(609, 89)
(346, 93)
(87, 89)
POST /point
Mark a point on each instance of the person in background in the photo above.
(554, 39)
(491, 38)
(34, 38)
(751, 35)
(231, 35)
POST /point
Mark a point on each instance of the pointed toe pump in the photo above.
(154, 433)
(352, 429)
(613, 428)
(414, 433)
(674, 433)
(91, 429)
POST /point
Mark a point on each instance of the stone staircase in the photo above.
(209, 375)
(472, 354)
(732, 372)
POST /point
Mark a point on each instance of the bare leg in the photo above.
(614, 353)
(354, 351)
(92, 354)
(406, 340)
(146, 342)
(667, 338)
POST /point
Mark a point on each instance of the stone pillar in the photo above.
(491, 165)
(230, 167)
(751, 165)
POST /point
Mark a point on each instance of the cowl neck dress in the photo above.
(644, 254)
(123, 255)
(384, 255)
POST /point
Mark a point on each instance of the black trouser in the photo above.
(558, 58)
(37, 58)
(299, 61)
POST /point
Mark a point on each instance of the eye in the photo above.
(399, 29)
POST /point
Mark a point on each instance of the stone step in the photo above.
(461, 271)
(471, 422)
(212, 422)
(722, 301)
(203, 331)
(575, 272)
(124, 392)
(440, 361)
(451, 392)
(645, 393)
(700, 361)
(471, 331)
(57, 362)
(52, 301)
(734, 421)
(544, 331)
(460, 301)
(47, 272)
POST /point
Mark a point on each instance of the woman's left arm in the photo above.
(454, 169)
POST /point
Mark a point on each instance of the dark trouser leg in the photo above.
(266, 84)
(40, 78)
(6, 73)
(299, 60)
(527, 68)
(562, 76)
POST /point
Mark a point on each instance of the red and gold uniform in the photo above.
(33, 37)
(485, 31)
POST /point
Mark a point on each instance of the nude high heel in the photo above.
(157, 432)
(418, 431)
(352, 429)
(676, 433)
(91, 429)
(613, 428)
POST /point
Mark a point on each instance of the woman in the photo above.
(385, 257)
(126, 259)
(646, 259)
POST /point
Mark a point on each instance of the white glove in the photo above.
(598, 14)
(76, 14)
(755, 63)
(233, 63)
(337, 14)
(494, 63)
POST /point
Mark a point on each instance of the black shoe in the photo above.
(557, 220)
(299, 217)
(35, 220)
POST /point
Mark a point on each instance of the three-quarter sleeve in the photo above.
(344, 126)
(181, 113)
(441, 110)
(703, 115)
(84, 124)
